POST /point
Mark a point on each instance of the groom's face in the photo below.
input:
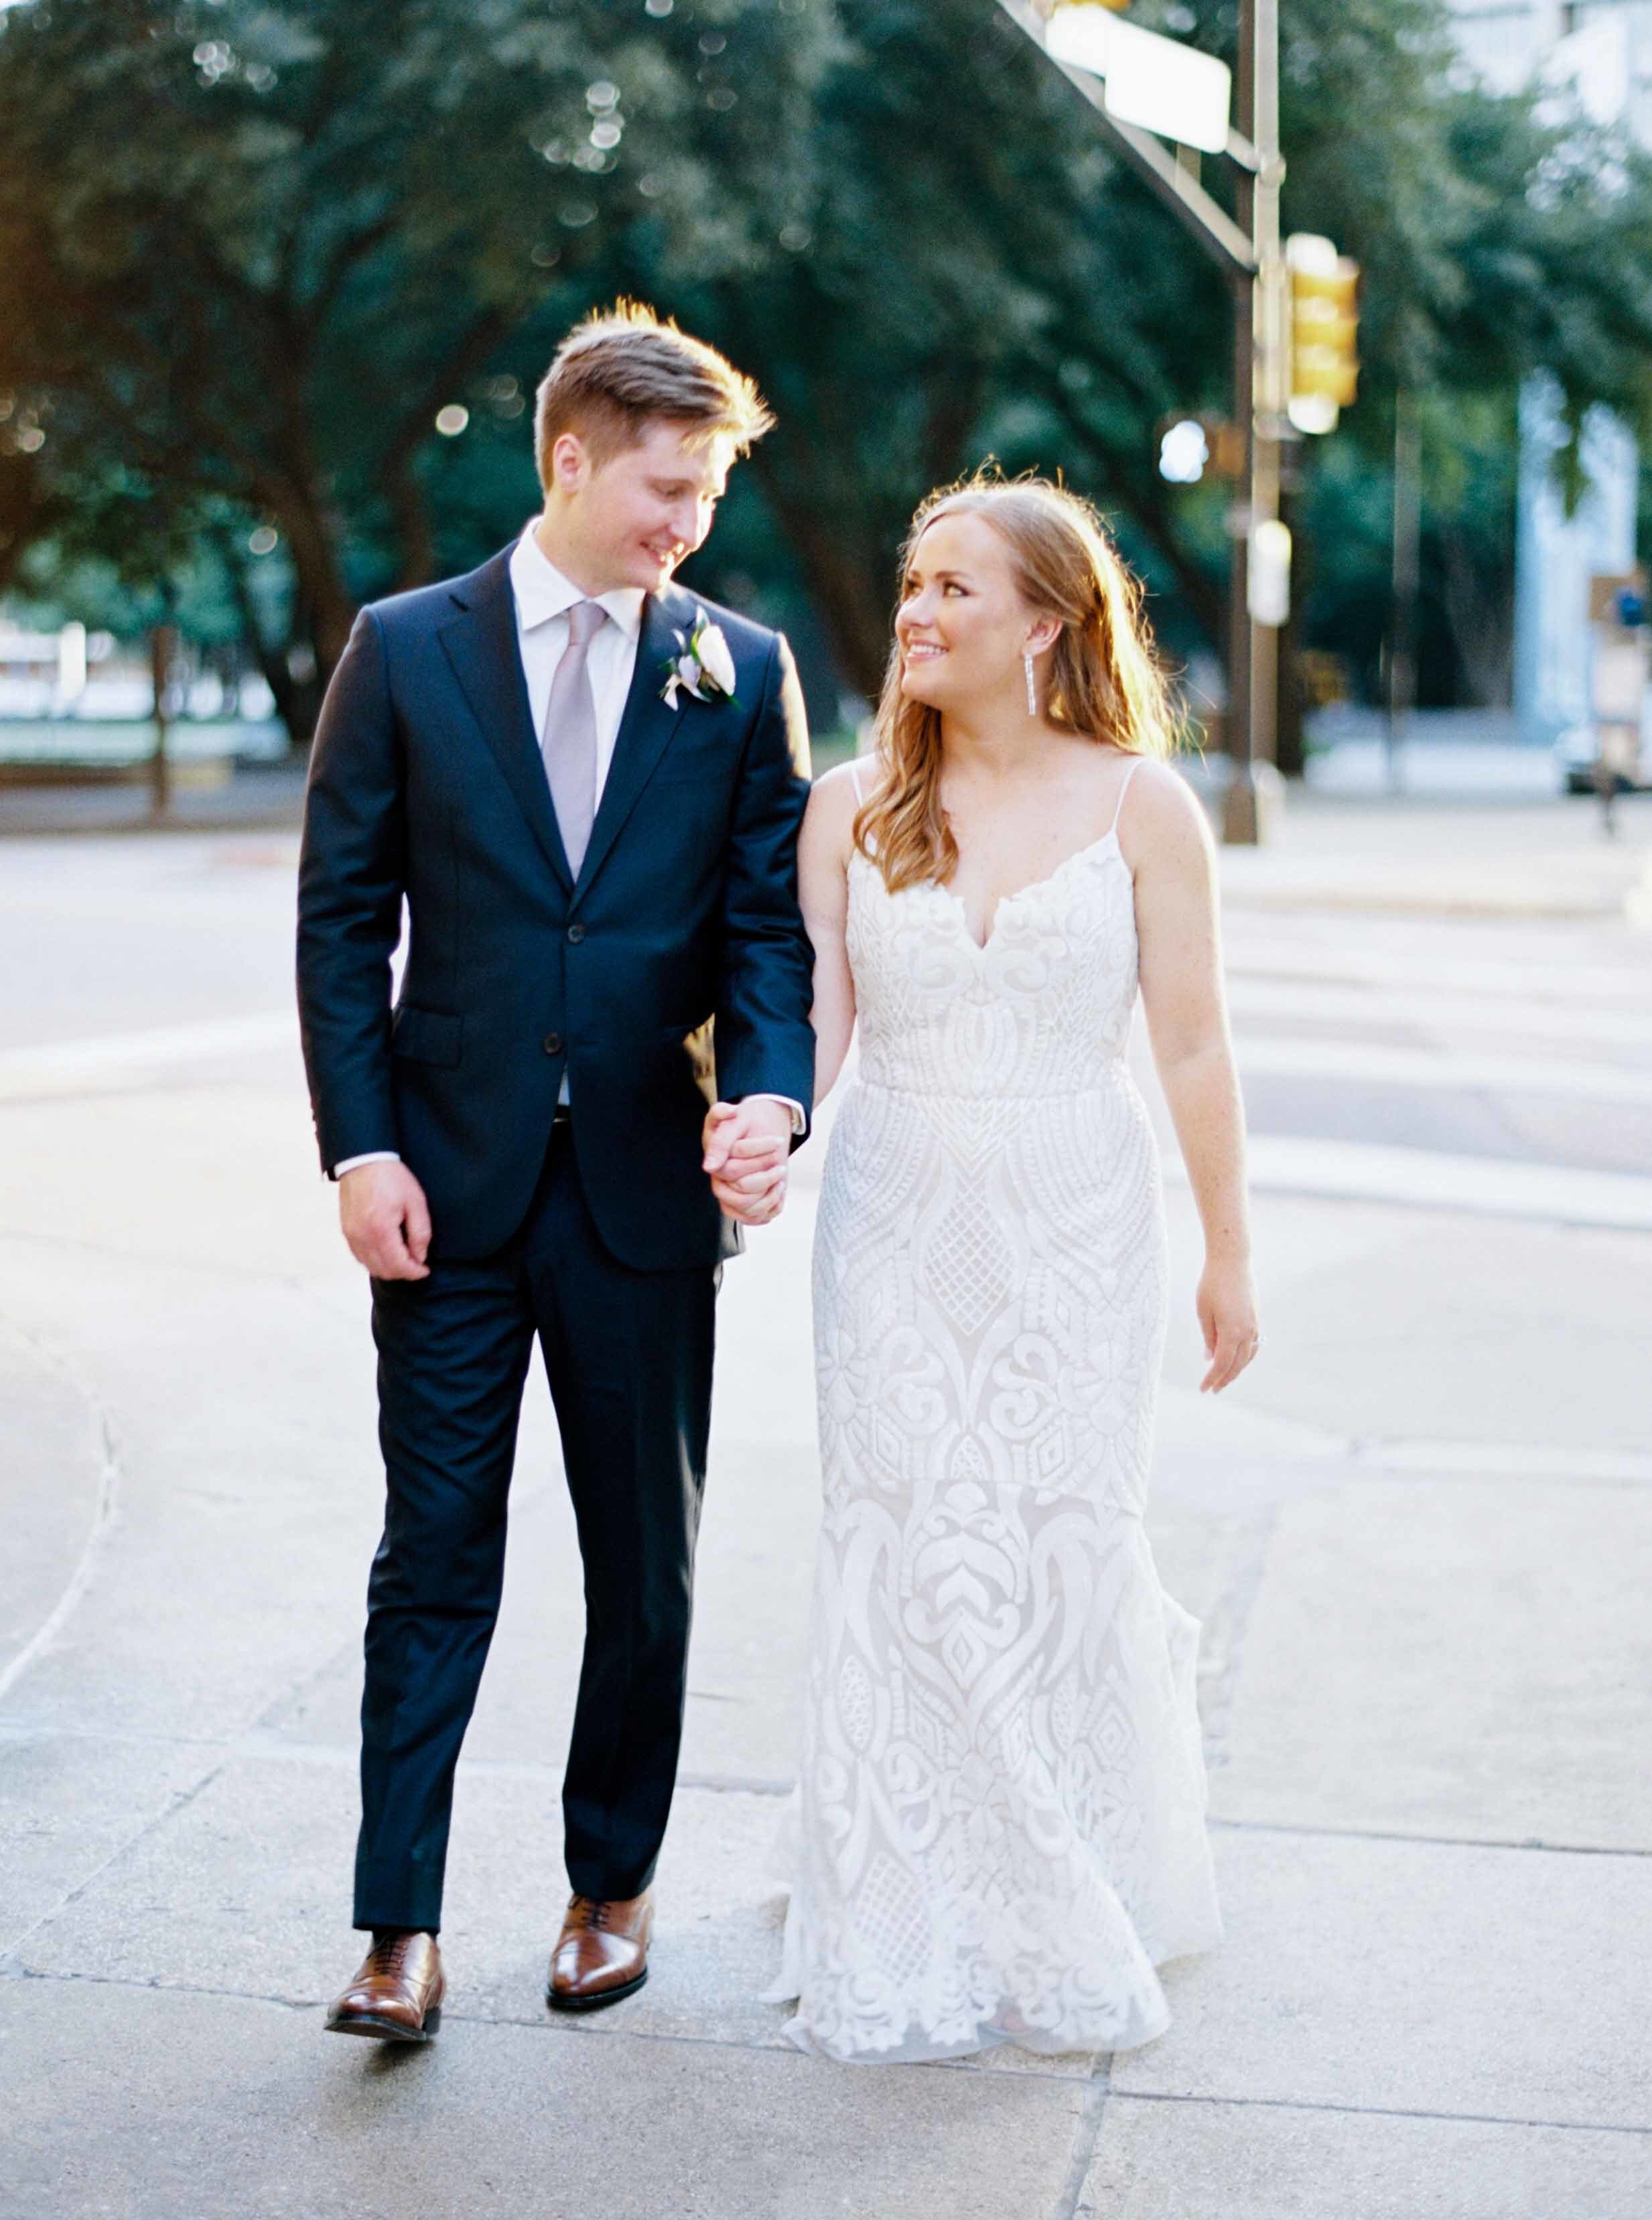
(646, 509)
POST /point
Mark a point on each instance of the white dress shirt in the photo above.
(542, 598)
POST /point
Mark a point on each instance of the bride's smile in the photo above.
(962, 627)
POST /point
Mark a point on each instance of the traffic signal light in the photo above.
(1325, 328)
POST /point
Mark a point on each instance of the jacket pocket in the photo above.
(426, 1036)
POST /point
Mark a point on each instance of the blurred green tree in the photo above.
(983, 276)
(248, 252)
(1498, 236)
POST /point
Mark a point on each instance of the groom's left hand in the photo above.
(747, 1148)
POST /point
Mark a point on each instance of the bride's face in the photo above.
(963, 626)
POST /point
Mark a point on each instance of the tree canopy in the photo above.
(252, 251)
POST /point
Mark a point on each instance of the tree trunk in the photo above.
(1479, 608)
(271, 662)
(417, 535)
(845, 569)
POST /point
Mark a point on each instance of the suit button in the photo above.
(575, 933)
(551, 1044)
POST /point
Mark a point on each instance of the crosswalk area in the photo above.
(1500, 1064)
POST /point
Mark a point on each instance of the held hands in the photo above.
(747, 1148)
(1227, 1318)
(386, 1220)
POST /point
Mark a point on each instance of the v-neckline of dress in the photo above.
(1109, 839)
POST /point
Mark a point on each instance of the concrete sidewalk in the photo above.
(1418, 1535)
(1530, 857)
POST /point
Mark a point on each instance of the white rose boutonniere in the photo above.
(703, 665)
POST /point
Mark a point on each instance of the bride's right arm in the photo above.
(823, 850)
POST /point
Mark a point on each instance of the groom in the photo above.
(588, 795)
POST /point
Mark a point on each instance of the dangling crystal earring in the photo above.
(1032, 686)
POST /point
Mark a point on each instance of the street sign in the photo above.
(1158, 84)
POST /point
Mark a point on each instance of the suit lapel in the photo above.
(645, 727)
(480, 643)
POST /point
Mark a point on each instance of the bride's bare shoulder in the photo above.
(850, 777)
(1159, 812)
(835, 801)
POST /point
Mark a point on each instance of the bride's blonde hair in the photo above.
(1104, 678)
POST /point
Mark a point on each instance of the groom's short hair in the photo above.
(624, 369)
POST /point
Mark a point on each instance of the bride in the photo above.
(1000, 1826)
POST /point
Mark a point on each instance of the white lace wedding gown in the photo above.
(999, 1829)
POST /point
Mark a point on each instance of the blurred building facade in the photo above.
(1595, 58)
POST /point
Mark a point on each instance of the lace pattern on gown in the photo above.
(999, 1832)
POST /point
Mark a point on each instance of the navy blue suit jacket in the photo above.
(673, 971)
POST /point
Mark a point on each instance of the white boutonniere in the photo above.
(702, 663)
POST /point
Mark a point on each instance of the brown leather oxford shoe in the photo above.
(397, 1995)
(602, 1954)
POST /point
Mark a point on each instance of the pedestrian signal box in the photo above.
(1324, 293)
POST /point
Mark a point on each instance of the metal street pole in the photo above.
(1258, 406)
(1239, 804)
(163, 647)
(1248, 252)
(1402, 623)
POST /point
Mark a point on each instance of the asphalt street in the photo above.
(1418, 1535)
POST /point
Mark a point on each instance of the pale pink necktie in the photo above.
(570, 742)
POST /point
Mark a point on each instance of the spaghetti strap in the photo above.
(1118, 811)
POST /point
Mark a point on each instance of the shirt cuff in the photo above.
(372, 1157)
(800, 1122)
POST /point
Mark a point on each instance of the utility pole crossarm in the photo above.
(1208, 221)
(1210, 224)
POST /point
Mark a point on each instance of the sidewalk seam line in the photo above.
(181, 1799)
(1430, 1842)
(1099, 2088)
(552, 2028)
(1086, 2136)
(104, 1518)
(1381, 2112)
